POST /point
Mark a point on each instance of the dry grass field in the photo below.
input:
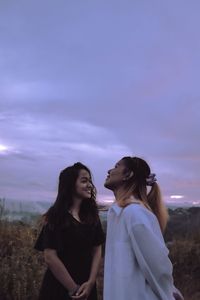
(22, 268)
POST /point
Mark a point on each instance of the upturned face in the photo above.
(84, 186)
(116, 176)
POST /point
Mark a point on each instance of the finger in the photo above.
(177, 296)
(78, 297)
(80, 290)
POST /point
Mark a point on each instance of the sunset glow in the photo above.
(3, 148)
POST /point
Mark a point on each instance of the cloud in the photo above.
(105, 151)
(95, 81)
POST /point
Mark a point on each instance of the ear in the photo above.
(128, 175)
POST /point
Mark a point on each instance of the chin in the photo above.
(86, 196)
(108, 186)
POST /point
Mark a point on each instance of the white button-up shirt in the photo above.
(137, 266)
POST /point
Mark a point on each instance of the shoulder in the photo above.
(137, 214)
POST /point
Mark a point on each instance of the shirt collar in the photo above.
(116, 208)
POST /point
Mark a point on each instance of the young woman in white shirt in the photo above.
(136, 258)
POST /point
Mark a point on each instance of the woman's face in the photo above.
(84, 186)
(116, 176)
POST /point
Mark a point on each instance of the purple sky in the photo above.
(93, 81)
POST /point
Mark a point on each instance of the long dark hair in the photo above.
(137, 186)
(56, 214)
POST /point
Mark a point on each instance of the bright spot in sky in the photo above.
(196, 202)
(105, 199)
(108, 201)
(3, 148)
(176, 196)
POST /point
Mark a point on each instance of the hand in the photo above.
(177, 295)
(74, 290)
(84, 291)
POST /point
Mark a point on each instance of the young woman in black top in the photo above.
(71, 239)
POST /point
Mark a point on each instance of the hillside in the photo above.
(22, 268)
(183, 223)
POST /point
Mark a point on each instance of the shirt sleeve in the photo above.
(152, 256)
(99, 236)
(48, 238)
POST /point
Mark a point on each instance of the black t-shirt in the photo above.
(74, 245)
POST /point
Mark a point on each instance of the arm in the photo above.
(95, 264)
(152, 256)
(87, 286)
(58, 269)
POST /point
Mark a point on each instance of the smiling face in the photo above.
(83, 186)
(116, 176)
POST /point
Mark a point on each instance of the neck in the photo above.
(75, 208)
(122, 196)
(118, 194)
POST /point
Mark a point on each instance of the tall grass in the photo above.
(185, 255)
(22, 268)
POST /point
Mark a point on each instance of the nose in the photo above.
(109, 171)
(89, 184)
